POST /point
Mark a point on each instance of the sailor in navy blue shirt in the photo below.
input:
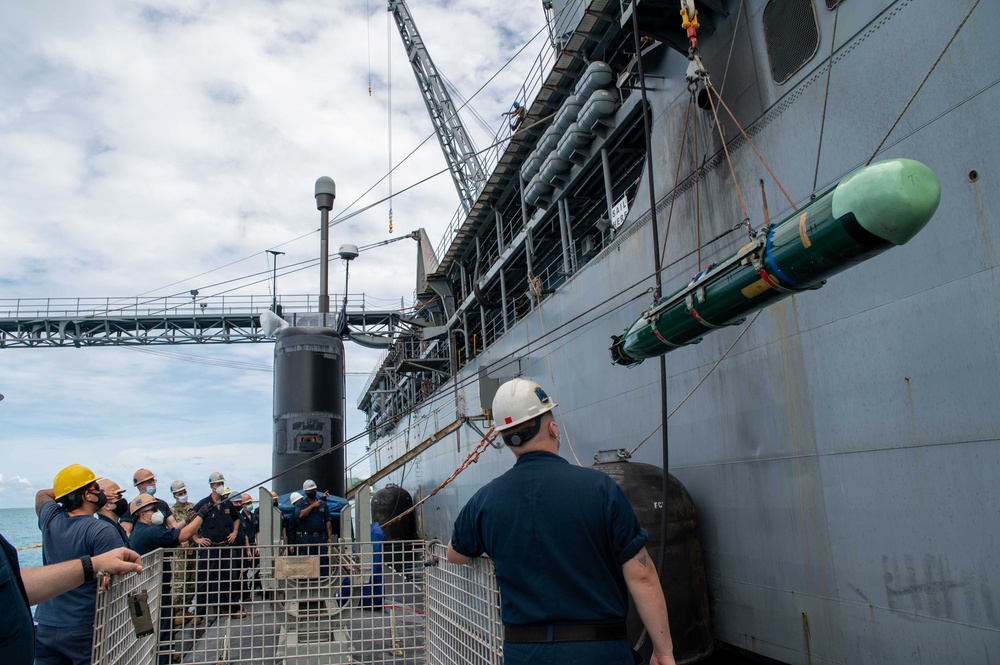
(70, 531)
(22, 587)
(312, 517)
(220, 528)
(567, 547)
(115, 508)
(149, 532)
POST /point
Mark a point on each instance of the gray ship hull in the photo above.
(844, 455)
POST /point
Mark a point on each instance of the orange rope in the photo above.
(729, 159)
(471, 459)
(711, 88)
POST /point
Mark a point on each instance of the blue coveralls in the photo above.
(65, 630)
(145, 539)
(558, 535)
(216, 562)
(17, 630)
(117, 526)
(311, 531)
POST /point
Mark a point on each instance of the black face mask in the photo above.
(121, 507)
(275, 502)
(101, 500)
(311, 495)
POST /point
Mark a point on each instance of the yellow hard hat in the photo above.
(141, 476)
(72, 478)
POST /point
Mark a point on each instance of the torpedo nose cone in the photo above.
(893, 199)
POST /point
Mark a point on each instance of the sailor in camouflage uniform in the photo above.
(182, 584)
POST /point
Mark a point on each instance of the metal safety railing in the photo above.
(537, 72)
(463, 612)
(316, 603)
(41, 308)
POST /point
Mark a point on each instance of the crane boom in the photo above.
(459, 151)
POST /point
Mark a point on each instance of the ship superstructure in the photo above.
(842, 450)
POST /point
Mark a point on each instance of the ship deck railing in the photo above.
(340, 603)
(525, 95)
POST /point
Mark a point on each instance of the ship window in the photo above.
(308, 443)
(791, 34)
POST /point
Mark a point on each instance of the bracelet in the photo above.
(88, 569)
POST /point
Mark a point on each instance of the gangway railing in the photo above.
(11, 308)
(225, 319)
(339, 603)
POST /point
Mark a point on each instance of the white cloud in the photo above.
(141, 145)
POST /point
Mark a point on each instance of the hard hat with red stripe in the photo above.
(518, 401)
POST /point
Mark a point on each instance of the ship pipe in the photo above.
(483, 300)
(866, 213)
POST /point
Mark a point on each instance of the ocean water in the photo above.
(20, 527)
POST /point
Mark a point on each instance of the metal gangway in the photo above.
(144, 321)
(344, 603)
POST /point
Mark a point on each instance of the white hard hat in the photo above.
(295, 498)
(518, 401)
(216, 477)
(308, 485)
(177, 486)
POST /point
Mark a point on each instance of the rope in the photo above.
(29, 547)
(368, 13)
(729, 159)
(826, 96)
(707, 374)
(470, 459)
(677, 177)
(388, 85)
(536, 283)
(732, 43)
(697, 191)
(920, 87)
(763, 161)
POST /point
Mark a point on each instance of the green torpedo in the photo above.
(863, 215)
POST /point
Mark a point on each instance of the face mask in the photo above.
(217, 490)
(121, 507)
(275, 503)
(311, 495)
(151, 490)
(101, 500)
(181, 498)
(156, 518)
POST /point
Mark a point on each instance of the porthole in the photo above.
(791, 34)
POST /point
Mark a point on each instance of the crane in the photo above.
(459, 150)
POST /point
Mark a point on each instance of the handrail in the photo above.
(491, 157)
(130, 307)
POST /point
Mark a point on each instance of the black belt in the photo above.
(551, 633)
(312, 533)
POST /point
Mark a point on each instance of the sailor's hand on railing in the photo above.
(432, 559)
(118, 562)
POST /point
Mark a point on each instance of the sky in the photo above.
(147, 149)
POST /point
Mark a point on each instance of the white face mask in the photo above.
(181, 498)
(156, 518)
(217, 490)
